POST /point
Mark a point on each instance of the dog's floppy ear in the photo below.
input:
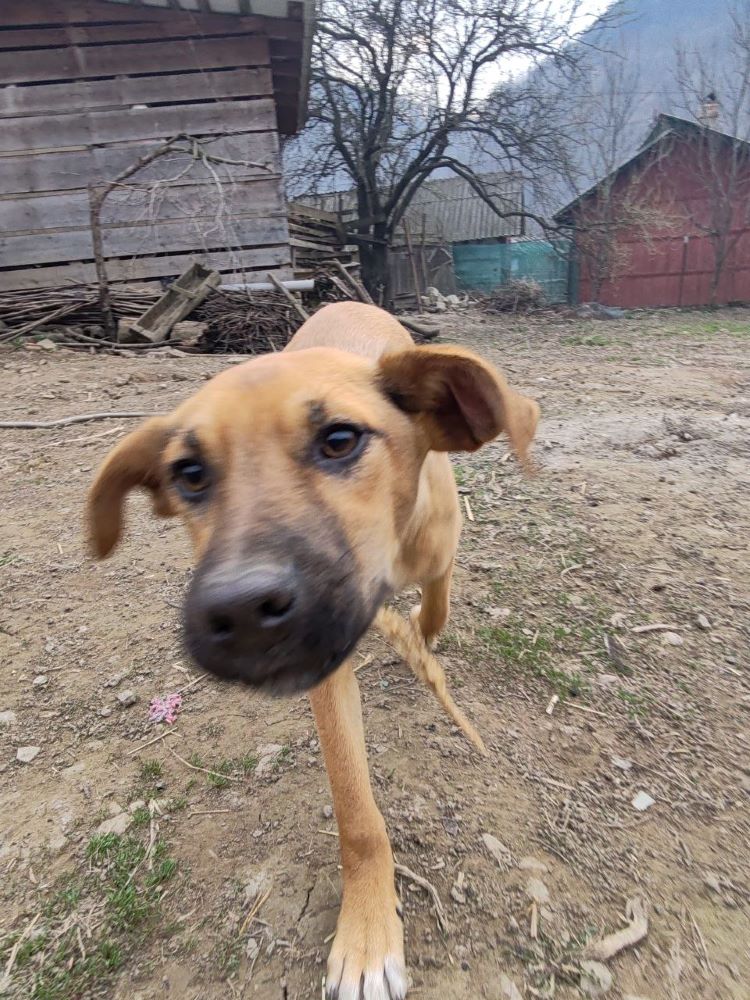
(133, 463)
(459, 400)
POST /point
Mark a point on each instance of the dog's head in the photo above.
(296, 475)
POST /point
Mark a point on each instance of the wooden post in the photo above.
(415, 276)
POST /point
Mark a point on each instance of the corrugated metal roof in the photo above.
(449, 209)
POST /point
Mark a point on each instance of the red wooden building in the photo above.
(671, 225)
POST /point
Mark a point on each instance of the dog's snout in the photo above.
(251, 608)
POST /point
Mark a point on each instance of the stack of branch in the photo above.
(242, 322)
(518, 295)
(24, 311)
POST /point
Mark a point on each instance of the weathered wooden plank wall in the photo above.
(88, 87)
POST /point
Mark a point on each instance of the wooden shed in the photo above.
(90, 87)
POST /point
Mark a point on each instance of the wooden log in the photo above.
(190, 289)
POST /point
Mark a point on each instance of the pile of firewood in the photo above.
(225, 321)
(239, 322)
(518, 295)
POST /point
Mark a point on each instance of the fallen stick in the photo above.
(637, 929)
(428, 332)
(661, 627)
(66, 421)
(14, 951)
(362, 294)
(161, 736)
(206, 770)
(288, 296)
(34, 324)
(430, 888)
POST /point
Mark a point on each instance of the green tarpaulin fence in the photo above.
(483, 267)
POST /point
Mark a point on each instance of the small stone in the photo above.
(618, 619)
(105, 712)
(137, 804)
(327, 812)
(267, 754)
(596, 979)
(116, 824)
(127, 698)
(47, 344)
(529, 864)
(449, 825)
(623, 763)
(712, 881)
(672, 639)
(7, 718)
(40, 680)
(703, 623)
(604, 680)
(25, 755)
(57, 842)
(498, 850)
(508, 989)
(495, 612)
(537, 891)
(254, 887)
(643, 801)
(251, 949)
(457, 891)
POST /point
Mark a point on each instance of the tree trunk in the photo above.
(373, 257)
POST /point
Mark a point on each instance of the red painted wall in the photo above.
(674, 266)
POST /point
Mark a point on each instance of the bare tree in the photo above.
(614, 208)
(403, 88)
(716, 92)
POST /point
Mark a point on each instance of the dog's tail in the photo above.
(409, 644)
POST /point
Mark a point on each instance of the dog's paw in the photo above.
(367, 957)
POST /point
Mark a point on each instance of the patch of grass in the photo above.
(588, 340)
(248, 763)
(459, 474)
(141, 817)
(534, 651)
(637, 704)
(9, 559)
(216, 779)
(121, 889)
(151, 770)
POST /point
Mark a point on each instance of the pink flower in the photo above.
(165, 709)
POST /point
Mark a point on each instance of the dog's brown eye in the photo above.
(341, 441)
(191, 478)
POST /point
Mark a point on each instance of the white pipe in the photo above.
(299, 285)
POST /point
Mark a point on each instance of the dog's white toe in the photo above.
(367, 956)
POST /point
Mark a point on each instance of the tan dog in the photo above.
(315, 484)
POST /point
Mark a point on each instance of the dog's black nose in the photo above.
(252, 609)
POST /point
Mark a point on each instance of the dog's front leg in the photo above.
(367, 957)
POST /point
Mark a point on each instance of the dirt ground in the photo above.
(616, 580)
